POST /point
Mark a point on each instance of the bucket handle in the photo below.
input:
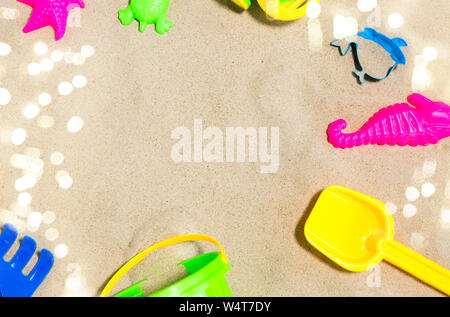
(140, 256)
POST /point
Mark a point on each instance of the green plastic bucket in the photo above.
(206, 273)
(206, 279)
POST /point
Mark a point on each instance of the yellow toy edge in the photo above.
(287, 11)
(241, 3)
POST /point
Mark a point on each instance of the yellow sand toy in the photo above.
(206, 273)
(357, 231)
(284, 10)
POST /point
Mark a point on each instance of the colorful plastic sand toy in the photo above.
(13, 283)
(147, 12)
(283, 10)
(357, 232)
(206, 273)
(425, 123)
(391, 46)
(52, 13)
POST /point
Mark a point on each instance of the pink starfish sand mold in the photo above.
(52, 13)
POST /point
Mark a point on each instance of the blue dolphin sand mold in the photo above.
(392, 46)
(13, 283)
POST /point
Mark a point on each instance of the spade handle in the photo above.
(417, 265)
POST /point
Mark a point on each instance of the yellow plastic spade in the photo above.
(357, 231)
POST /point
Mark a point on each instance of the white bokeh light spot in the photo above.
(409, 210)
(75, 124)
(64, 180)
(18, 136)
(65, 88)
(57, 158)
(31, 111)
(61, 250)
(87, 51)
(34, 69)
(313, 9)
(47, 64)
(391, 207)
(44, 99)
(395, 20)
(35, 219)
(5, 97)
(5, 49)
(25, 182)
(40, 48)
(428, 190)
(430, 53)
(24, 199)
(366, 5)
(51, 234)
(49, 217)
(446, 215)
(57, 56)
(78, 59)
(79, 81)
(412, 193)
(344, 26)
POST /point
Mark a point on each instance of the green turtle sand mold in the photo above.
(147, 12)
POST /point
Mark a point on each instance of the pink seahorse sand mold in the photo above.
(425, 123)
(52, 13)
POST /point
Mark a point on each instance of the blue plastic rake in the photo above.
(13, 283)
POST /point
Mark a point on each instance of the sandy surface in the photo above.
(230, 69)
